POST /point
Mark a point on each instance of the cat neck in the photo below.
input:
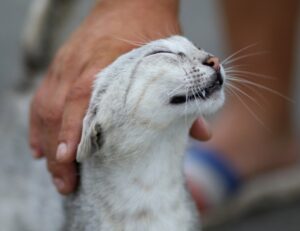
(139, 186)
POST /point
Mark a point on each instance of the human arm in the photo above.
(60, 103)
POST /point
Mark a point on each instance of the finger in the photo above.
(75, 109)
(34, 132)
(201, 130)
(64, 176)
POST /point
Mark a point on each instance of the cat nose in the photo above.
(213, 62)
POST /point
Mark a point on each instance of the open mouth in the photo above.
(203, 94)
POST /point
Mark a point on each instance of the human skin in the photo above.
(253, 147)
(60, 103)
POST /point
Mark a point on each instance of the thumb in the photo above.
(201, 130)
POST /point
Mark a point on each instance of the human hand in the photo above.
(60, 103)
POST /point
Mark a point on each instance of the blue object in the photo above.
(222, 167)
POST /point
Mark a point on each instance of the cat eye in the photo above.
(181, 54)
(159, 52)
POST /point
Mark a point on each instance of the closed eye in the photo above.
(160, 52)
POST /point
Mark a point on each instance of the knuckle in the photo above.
(71, 133)
(65, 56)
(69, 60)
(52, 71)
(57, 67)
(51, 115)
(45, 110)
(60, 54)
(78, 92)
(68, 129)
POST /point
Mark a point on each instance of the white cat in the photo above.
(134, 136)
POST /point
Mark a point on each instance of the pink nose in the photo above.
(213, 62)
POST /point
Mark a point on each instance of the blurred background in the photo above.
(203, 23)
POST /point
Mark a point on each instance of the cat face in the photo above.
(166, 81)
(176, 79)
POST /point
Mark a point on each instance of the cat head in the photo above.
(162, 83)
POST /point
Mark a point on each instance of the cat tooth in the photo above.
(203, 93)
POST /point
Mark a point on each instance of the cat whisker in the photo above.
(195, 95)
(243, 57)
(249, 73)
(175, 90)
(254, 90)
(131, 42)
(143, 38)
(238, 52)
(267, 89)
(253, 114)
(234, 67)
(171, 29)
(245, 94)
(185, 105)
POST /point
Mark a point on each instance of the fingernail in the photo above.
(59, 183)
(61, 152)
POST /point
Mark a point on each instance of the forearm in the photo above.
(138, 18)
(168, 6)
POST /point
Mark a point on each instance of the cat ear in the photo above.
(91, 138)
(92, 130)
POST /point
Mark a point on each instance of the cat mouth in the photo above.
(203, 94)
